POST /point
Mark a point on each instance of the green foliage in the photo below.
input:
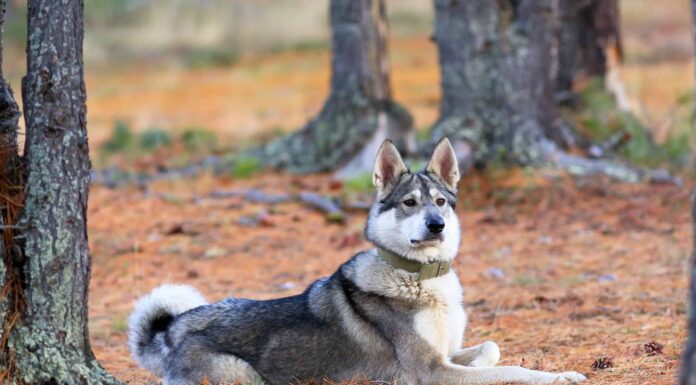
(599, 118)
(121, 139)
(211, 57)
(119, 325)
(196, 138)
(359, 183)
(308, 46)
(415, 164)
(153, 138)
(15, 28)
(101, 9)
(245, 166)
(406, 22)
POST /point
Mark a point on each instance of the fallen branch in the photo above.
(581, 166)
(326, 205)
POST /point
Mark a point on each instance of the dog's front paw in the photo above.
(570, 377)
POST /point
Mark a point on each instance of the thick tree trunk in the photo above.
(499, 68)
(359, 112)
(688, 370)
(496, 66)
(49, 342)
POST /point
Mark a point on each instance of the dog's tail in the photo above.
(150, 321)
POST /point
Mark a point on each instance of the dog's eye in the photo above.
(410, 202)
(440, 201)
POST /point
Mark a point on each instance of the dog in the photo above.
(391, 313)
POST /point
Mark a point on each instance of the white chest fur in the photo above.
(442, 323)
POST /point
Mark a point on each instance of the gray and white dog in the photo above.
(392, 313)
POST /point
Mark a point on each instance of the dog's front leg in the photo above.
(452, 374)
(483, 355)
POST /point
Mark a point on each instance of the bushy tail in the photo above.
(151, 318)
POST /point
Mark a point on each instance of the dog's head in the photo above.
(413, 214)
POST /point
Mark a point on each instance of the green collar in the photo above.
(425, 270)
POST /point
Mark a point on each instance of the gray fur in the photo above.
(367, 319)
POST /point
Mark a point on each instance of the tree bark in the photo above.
(359, 112)
(688, 370)
(589, 30)
(496, 76)
(49, 341)
(499, 68)
(10, 195)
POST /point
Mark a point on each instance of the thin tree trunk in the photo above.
(360, 111)
(688, 370)
(49, 342)
(589, 30)
(590, 45)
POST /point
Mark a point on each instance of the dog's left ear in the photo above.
(444, 165)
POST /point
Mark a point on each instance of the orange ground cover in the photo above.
(589, 269)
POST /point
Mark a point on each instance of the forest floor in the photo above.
(562, 273)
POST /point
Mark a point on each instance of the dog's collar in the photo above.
(424, 270)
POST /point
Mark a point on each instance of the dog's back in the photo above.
(333, 329)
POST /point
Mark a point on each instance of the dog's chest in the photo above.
(442, 323)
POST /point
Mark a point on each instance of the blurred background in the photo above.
(588, 274)
(219, 74)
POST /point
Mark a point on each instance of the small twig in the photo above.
(12, 227)
(615, 141)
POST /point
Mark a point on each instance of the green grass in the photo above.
(199, 58)
(119, 325)
(598, 118)
(245, 166)
(195, 139)
(154, 138)
(359, 184)
(122, 138)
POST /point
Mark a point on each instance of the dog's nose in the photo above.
(435, 225)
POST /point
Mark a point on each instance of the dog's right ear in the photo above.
(388, 168)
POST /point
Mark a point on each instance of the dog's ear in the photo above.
(388, 168)
(444, 164)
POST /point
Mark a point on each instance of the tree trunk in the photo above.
(589, 45)
(496, 75)
(499, 68)
(10, 195)
(589, 31)
(359, 112)
(688, 370)
(49, 341)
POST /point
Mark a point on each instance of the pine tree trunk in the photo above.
(499, 68)
(360, 111)
(688, 370)
(589, 30)
(10, 190)
(49, 342)
(496, 76)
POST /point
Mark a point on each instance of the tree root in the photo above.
(580, 166)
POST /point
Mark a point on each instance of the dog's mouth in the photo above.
(428, 241)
